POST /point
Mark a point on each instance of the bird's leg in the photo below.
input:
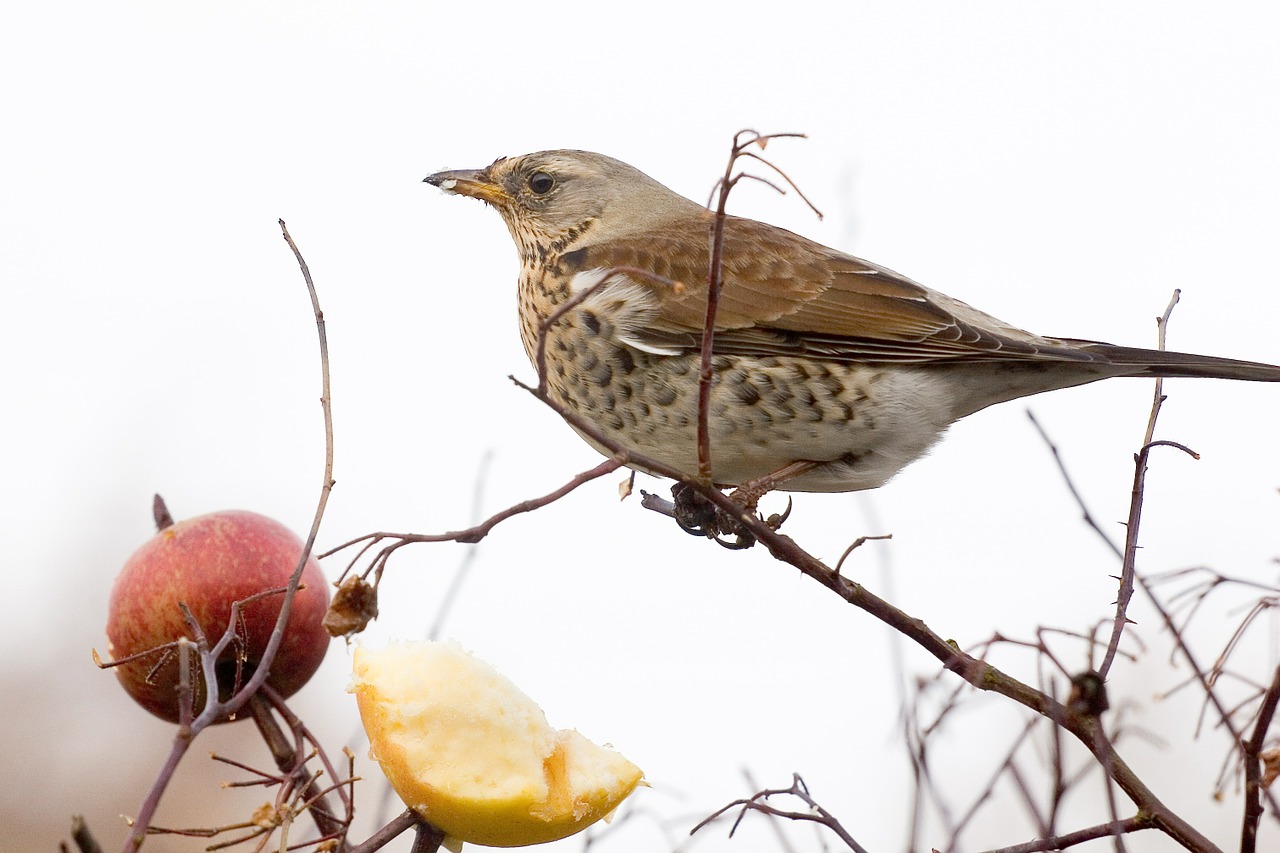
(748, 494)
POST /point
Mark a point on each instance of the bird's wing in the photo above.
(785, 295)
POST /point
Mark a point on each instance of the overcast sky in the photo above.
(1063, 166)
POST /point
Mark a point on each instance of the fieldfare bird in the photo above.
(829, 371)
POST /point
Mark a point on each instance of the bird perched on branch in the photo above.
(830, 373)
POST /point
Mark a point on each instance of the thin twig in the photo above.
(1086, 515)
(1070, 839)
(715, 280)
(1199, 674)
(758, 802)
(1146, 585)
(988, 790)
(477, 532)
(1125, 593)
(286, 757)
(1253, 769)
(1117, 830)
(215, 709)
(856, 544)
(775, 822)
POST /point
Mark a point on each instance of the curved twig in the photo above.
(216, 709)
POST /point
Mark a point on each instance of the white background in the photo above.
(1062, 165)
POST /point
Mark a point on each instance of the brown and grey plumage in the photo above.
(820, 357)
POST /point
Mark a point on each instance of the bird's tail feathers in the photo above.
(1148, 362)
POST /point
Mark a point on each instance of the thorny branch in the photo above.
(1087, 697)
(1130, 577)
(1135, 504)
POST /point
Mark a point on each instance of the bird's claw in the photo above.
(698, 516)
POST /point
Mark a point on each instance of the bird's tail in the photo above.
(1149, 362)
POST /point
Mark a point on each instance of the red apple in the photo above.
(208, 563)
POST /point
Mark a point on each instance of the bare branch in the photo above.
(1253, 769)
(1129, 560)
(426, 838)
(758, 803)
(1086, 515)
(479, 531)
(407, 819)
(988, 790)
(856, 544)
(1071, 839)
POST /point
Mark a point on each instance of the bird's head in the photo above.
(555, 201)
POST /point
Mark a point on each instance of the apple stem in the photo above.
(160, 513)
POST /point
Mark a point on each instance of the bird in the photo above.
(830, 373)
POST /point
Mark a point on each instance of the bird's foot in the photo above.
(700, 517)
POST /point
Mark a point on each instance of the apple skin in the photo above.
(209, 562)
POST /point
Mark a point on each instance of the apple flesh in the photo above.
(473, 755)
(208, 563)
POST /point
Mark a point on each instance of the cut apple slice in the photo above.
(473, 755)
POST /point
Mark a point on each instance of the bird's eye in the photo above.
(541, 183)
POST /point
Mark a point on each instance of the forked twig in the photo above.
(1129, 561)
(758, 803)
(291, 759)
(1130, 579)
(215, 708)
(742, 141)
